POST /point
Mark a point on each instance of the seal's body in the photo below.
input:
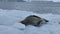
(34, 20)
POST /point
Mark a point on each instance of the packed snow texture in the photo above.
(9, 23)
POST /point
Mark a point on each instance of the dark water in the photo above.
(37, 7)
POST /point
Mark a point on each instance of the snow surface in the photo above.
(9, 23)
